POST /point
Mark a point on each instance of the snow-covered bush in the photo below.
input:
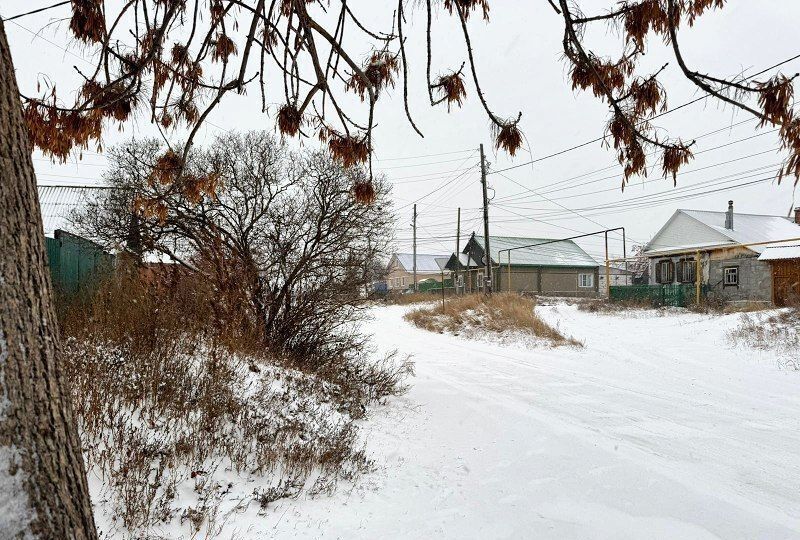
(185, 419)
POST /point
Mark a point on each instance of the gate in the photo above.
(785, 281)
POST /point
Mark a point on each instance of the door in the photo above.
(786, 282)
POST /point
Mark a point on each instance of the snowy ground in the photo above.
(657, 428)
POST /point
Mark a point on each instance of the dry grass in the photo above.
(476, 315)
(177, 414)
(779, 332)
(602, 305)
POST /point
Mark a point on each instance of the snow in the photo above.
(750, 228)
(657, 428)
(780, 252)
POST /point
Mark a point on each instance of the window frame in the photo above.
(591, 280)
(680, 277)
(670, 265)
(480, 280)
(735, 272)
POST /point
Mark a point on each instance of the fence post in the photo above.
(509, 270)
(697, 272)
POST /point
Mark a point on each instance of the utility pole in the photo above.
(458, 250)
(487, 287)
(414, 224)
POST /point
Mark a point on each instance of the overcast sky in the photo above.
(518, 56)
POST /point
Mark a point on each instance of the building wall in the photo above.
(681, 230)
(755, 277)
(545, 280)
(755, 280)
(399, 279)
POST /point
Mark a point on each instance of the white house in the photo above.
(728, 246)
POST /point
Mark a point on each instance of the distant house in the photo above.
(537, 266)
(732, 267)
(400, 271)
(619, 276)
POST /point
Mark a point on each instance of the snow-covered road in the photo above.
(657, 428)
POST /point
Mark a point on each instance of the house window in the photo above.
(480, 281)
(665, 271)
(730, 276)
(586, 280)
(686, 270)
(403, 282)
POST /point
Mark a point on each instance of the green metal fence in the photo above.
(680, 295)
(76, 264)
(433, 285)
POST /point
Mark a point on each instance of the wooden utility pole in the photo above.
(458, 249)
(414, 225)
(487, 287)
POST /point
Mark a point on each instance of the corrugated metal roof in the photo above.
(559, 253)
(58, 202)
(780, 253)
(425, 262)
(747, 228)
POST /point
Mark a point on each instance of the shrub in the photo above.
(172, 397)
(477, 315)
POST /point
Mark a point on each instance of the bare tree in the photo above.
(181, 58)
(283, 231)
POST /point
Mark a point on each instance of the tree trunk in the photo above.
(43, 488)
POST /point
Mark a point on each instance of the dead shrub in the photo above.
(779, 332)
(602, 305)
(175, 395)
(477, 315)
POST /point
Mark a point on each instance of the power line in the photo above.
(713, 148)
(426, 155)
(587, 193)
(20, 15)
(599, 139)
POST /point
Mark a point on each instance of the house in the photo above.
(729, 247)
(619, 274)
(400, 270)
(527, 265)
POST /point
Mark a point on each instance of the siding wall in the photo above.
(400, 274)
(681, 230)
(545, 280)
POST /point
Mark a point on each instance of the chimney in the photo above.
(729, 216)
(797, 215)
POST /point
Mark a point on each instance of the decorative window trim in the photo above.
(585, 283)
(734, 272)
